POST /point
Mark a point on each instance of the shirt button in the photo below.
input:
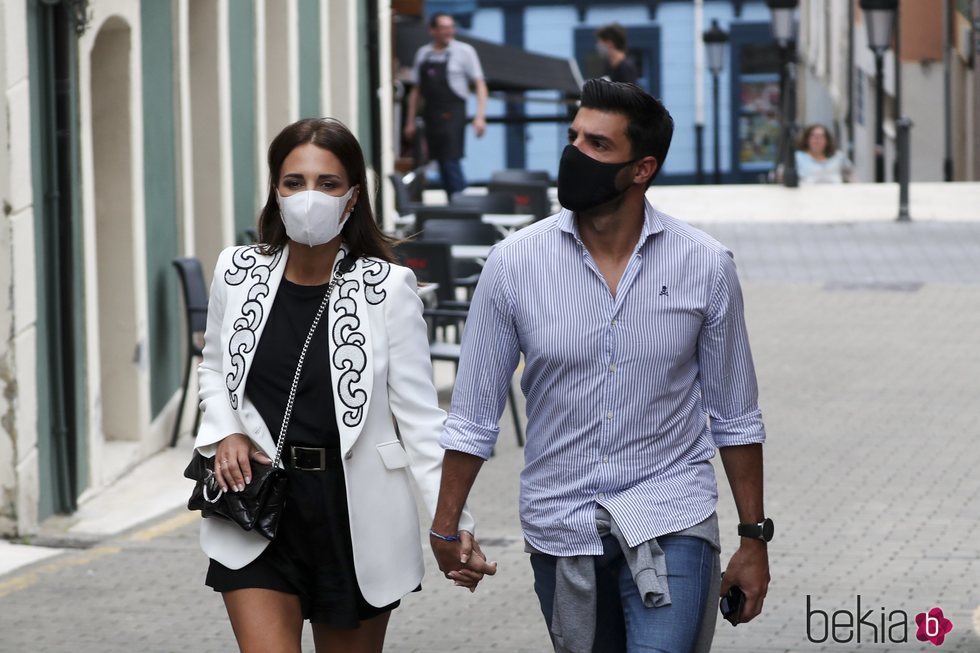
(614, 322)
(612, 368)
(609, 415)
(349, 455)
(602, 495)
(605, 459)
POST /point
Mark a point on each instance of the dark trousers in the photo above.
(451, 171)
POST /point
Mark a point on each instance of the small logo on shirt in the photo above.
(663, 291)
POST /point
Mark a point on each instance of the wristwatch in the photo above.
(761, 531)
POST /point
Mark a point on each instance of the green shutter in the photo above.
(166, 324)
(241, 50)
(309, 58)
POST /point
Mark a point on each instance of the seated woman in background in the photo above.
(818, 161)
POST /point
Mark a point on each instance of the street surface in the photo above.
(867, 344)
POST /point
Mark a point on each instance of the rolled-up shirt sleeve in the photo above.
(489, 356)
(727, 373)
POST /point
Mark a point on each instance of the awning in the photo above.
(506, 68)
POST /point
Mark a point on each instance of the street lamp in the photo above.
(784, 32)
(715, 41)
(879, 17)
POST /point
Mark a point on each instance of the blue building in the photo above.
(662, 39)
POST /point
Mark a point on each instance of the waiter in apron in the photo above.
(442, 75)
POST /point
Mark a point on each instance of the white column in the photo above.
(385, 96)
(261, 112)
(224, 127)
(184, 131)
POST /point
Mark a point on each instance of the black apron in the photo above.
(445, 112)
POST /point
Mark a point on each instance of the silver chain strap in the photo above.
(299, 369)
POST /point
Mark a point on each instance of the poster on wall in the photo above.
(758, 121)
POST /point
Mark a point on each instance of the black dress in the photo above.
(312, 554)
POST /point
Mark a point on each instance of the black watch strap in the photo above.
(761, 531)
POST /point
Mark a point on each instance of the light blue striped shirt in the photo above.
(619, 389)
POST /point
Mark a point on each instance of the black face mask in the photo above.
(584, 183)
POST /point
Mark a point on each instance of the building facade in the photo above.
(133, 132)
(835, 82)
(665, 44)
(932, 80)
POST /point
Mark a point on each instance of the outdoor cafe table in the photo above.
(477, 253)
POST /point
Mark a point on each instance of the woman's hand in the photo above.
(231, 462)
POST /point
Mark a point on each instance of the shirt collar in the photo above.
(651, 223)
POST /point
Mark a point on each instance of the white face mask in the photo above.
(313, 217)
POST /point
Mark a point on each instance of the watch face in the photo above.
(767, 530)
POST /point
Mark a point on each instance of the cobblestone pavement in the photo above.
(868, 376)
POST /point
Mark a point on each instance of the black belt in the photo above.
(313, 459)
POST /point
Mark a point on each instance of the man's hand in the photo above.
(410, 130)
(479, 126)
(749, 569)
(462, 561)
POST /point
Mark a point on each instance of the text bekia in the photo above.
(843, 626)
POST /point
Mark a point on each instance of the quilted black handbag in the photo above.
(260, 505)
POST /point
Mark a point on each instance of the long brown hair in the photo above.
(360, 233)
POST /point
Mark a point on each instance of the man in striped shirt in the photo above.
(637, 368)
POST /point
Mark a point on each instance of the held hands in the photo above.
(231, 462)
(462, 561)
(749, 569)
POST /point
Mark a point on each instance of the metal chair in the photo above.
(489, 203)
(195, 294)
(529, 196)
(520, 176)
(423, 215)
(461, 231)
(432, 263)
(408, 191)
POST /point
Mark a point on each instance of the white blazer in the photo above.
(382, 376)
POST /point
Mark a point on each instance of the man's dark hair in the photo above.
(613, 33)
(434, 19)
(649, 125)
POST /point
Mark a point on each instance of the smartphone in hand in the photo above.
(731, 604)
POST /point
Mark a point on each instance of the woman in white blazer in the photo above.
(348, 546)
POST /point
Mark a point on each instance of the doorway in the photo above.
(119, 338)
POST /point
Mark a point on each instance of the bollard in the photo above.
(904, 125)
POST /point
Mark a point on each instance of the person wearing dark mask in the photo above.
(637, 369)
(611, 45)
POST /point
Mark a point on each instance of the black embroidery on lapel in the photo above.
(243, 340)
(345, 261)
(349, 357)
(375, 272)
